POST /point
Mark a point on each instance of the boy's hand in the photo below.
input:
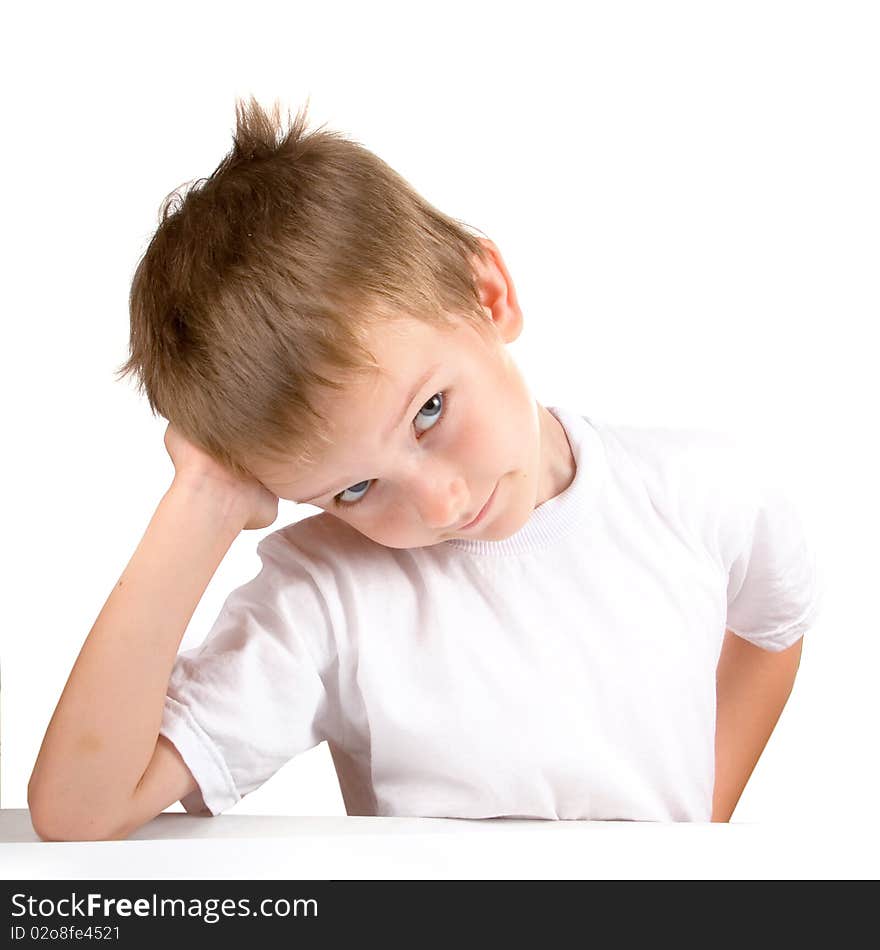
(194, 466)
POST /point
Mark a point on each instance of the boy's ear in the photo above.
(497, 293)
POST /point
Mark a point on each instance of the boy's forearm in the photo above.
(106, 724)
(753, 686)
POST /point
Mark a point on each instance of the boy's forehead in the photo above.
(406, 352)
(367, 411)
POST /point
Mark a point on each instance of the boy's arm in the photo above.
(753, 686)
(103, 734)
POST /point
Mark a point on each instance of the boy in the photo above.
(503, 610)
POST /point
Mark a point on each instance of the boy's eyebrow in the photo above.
(414, 392)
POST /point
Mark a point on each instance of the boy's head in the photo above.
(288, 306)
(255, 293)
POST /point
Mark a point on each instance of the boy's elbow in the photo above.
(50, 824)
(52, 830)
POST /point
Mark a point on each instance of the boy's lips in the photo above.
(482, 512)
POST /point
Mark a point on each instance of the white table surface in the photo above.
(178, 846)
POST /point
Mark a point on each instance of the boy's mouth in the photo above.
(482, 512)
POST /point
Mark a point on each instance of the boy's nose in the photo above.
(441, 501)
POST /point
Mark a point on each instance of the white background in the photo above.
(686, 194)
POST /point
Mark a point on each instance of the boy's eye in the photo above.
(430, 411)
(361, 487)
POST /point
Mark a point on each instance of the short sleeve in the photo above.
(252, 695)
(775, 588)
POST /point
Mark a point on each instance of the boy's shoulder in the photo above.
(318, 542)
(676, 445)
(698, 469)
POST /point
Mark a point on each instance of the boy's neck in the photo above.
(557, 460)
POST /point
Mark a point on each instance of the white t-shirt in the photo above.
(566, 672)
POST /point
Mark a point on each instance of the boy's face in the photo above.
(419, 449)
